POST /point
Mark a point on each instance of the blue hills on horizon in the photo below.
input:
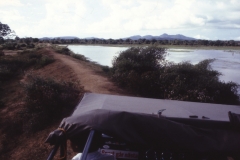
(161, 37)
(135, 37)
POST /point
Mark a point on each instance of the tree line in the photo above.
(7, 34)
(144, 41)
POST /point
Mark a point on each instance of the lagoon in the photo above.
(100, 54)
(227, 62)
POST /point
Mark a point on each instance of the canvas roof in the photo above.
(131, 119)
(178, 109)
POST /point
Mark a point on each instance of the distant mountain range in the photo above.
(161, 37)
(136, 37)
(62, 37)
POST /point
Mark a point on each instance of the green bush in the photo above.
(66, 51)
(198, 83)
(79, 56)
(9, 45)
(105, 69)
(63, 50)
(145, 71)
(135, 61)
(43, 61)
(1, 53)
(48, 100)
(2, 104)
(9, 67)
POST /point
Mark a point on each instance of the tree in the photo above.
(1, 40)
(35, 40)
(17, 38)
(5, 30)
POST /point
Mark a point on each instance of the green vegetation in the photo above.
(145, 71)
(64, 50)
(5, 31)
(162, 42)
(48, 100)
(42, 102)
(11, 66)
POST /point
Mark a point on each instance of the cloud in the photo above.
(8, 16)
(4, 3)
(114, 18)
(201, 37)
(60, 18)
(154, 15)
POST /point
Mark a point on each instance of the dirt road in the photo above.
(88, 75)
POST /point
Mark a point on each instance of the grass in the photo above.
(48, 100)
(42, 102)
(64, 50)
(11, 66)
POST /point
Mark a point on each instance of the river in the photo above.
(227, 62)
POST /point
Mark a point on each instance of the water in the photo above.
(100, 54)
(226, 62)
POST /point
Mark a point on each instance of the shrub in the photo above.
(35, 58)
(48, 100)
(2, 104)
(1, 53)
(63, 50)
(145, 71)
(198, 83)
(9, 45)
(23, 45)
(134, 62)
(45, 60)
(105, 69)
(11, 66)
(66, 51)
(31, 45)
(79, 56)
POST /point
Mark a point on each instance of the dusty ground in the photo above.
(89, 75)
(64, 68)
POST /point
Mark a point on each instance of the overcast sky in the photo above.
(205, 19)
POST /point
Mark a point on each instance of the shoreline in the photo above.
(229, 48)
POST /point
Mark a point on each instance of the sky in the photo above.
(202, 19)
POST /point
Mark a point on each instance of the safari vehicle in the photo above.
(152, 128)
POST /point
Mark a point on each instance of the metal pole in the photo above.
(53, 152)
(63, 151)
(87, 146)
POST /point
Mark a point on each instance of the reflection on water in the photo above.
(100, 54)
(226, 62)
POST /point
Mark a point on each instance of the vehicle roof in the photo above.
(173, 108)
(131, 120)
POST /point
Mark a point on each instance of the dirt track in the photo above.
(88, 75)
